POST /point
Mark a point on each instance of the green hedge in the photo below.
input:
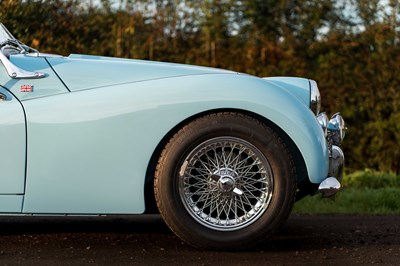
(355, 61)
(371, 179)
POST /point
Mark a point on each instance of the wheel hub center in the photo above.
(227, 181)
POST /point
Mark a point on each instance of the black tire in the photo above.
(225, 181)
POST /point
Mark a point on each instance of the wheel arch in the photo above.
(302, 174)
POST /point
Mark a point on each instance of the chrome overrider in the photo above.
(334, 131)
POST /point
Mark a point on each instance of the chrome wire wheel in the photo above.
(225, 183)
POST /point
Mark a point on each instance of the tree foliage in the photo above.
(353, 57)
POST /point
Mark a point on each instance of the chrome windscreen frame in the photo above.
(18, 73)
(7, 41)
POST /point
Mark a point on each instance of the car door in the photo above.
(12, 152)
(16, 88)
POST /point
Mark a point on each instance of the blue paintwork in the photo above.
(11, 203)
(89, 149)
(299, 87)
(50, 85)
(13, 145)
(84, 72)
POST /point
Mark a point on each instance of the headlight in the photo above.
(337, 127)
(315, 97)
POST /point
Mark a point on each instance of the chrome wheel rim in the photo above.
(225, 183)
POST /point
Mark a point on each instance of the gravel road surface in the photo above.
(146, 240)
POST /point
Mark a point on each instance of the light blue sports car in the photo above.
(222, 156)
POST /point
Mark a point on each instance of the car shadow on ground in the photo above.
(130, 224)
(300, 233)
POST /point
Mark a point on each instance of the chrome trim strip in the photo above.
(44, 55)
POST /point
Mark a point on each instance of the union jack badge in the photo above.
(26, 88)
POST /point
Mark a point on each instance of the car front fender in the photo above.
(103, 139)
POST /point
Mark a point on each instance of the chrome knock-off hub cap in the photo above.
(226, 184)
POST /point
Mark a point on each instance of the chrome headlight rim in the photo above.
(337, 125)
(315, 97)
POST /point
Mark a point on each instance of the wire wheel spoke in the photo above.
(225, 183)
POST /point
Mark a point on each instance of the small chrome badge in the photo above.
(26, 88)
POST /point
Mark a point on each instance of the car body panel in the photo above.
(299, 87)
(49, 85)
(13, 146)
(11, 204)
(89, 150)
(81, 72)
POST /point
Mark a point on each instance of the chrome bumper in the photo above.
(334, 130)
